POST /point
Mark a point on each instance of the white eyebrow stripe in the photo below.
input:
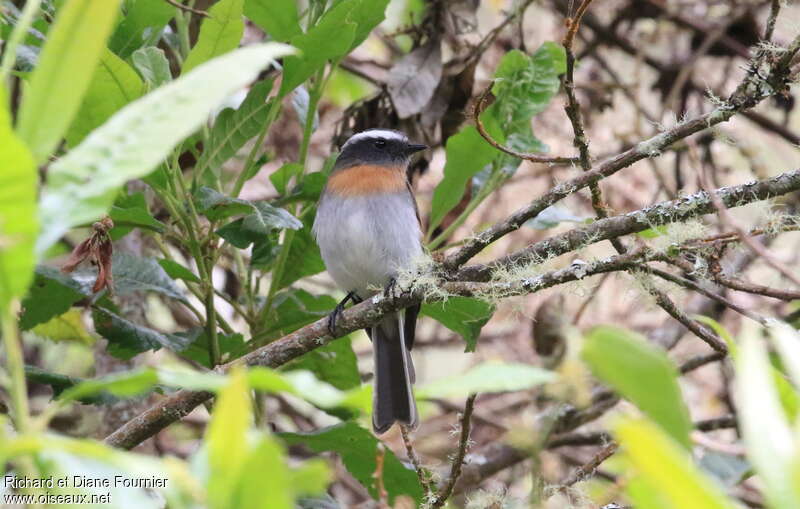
(376, 134)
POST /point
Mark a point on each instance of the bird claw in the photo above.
(338, 310)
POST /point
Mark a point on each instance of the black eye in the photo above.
(380, 143)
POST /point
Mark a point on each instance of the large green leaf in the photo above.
(126, 339)
(51, 294)
(66, 327)
(666, 468)
(357, 448)
(142, 25)
(233, 128)
(467, 154)
(135, 274)
(264, 470)
(220, 32)
(131, 211)
(278, 18)
(82, 184)
(125, 384)
(641, 373)
(64, 70)
(772, 445)
(226, 439)
(341, 28)
(113, 85)
(304, 254)
(463, 315)
(18, 224)
(487, 377)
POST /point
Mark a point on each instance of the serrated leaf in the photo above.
(278, 18)
(135, 274)
(51, 294)
(153, 65)
(463, 315)
(215, 205)
(65, 68)
(487, 377)
(126, 339)
(642, 374)
(177, 271)
(18, 223)
(270, 218)
(220, 32)
(114, 84)
(234, 128)
(141, 25)
(66, 327)
(280, 177)
(357, 448)
(81, 185)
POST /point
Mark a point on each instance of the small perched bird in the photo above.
(368, 228)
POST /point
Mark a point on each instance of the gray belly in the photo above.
(364, 241)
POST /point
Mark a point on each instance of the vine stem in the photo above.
(17, 35)
(16, 368)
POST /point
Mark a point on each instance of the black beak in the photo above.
(412, 148)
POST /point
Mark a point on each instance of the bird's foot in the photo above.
(337, 311)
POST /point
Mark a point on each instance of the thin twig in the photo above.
(422, 474)
(186, 8)
(774, 9)
(587, 468)
(458, 461)
(536, 158)
(383, 495)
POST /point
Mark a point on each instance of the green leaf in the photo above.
(113, 85)
(135, 274)
(772, 447)
(295, 308)
(487, 377)
(124, 384)
(215, 205)
(334, 363)
(219, 33)
(81, 185)
(269, 218)
(278, 18)
(280, 177)
(131, 211)
(304, 255)
(142, 25)
(525, 86)
(667, 467)
(263, 471)
(357, 448)
(467, 153)
(51, 294)
(641, 373)
(126, 339)
(60, 383)
(153, 65)
(65, 68)
(463, 315)
(231, 346)
(233, 128)
(66, 327)
(177, 271)
(226, 439)
(329, 39)
(18, 224)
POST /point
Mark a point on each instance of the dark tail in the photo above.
(393, 400)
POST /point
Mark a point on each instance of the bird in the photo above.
(368, 228)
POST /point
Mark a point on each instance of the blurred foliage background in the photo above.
(618, 336)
